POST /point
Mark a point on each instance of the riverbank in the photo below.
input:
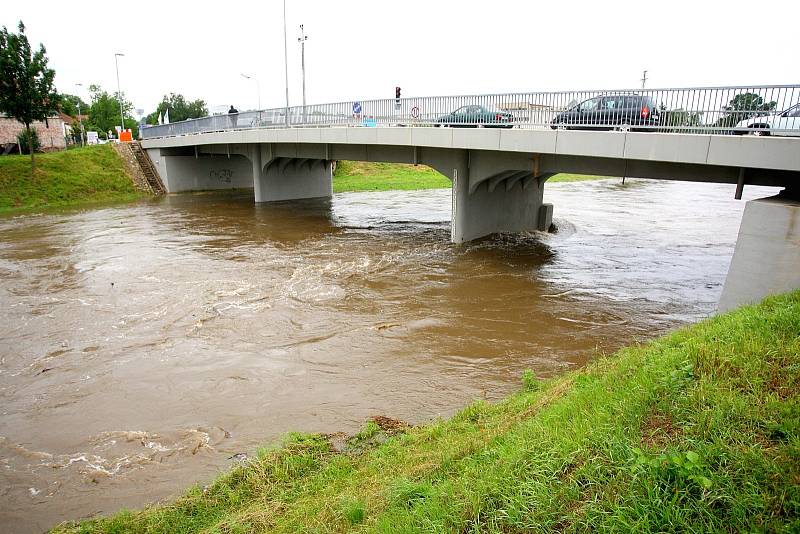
(352, 176)
(88, 175)
(698, 430)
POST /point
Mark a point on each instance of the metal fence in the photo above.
(757, 110)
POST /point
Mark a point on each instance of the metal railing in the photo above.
(762, 109)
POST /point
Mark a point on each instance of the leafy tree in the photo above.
(179, 109)
(104, 111)
(27, 92)
(743, 106)
(674, 119)
(71, 103)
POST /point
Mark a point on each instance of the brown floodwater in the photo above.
(143, 345)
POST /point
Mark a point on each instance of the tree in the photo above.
(742, 107)
(678, 119)
(27, 92)
(71, 103)
(179, 109)
(104, 111)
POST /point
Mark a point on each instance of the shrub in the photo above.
(22, 139)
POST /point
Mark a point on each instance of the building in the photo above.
(51, 132)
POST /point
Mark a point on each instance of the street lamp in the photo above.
(258, 88)
(286, 63)
(119, 93)
(80, 122)
(302, 40)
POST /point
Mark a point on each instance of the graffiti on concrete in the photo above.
(221, 175)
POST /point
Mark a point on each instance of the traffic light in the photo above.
(397, 93)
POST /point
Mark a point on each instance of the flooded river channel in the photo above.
(141, 346)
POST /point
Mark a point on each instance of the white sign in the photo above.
(91, 138)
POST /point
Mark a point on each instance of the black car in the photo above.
(609, 112)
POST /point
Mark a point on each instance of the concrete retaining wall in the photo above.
(766, 260)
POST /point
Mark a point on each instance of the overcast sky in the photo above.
(360, 49)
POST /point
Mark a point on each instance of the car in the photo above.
(787, 122)
(474, 116)
(609, 112)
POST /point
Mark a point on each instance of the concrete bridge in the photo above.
(498, 175)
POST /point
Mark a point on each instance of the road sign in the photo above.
(415, 112)
(356, 108)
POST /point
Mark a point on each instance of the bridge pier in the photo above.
(493, 192)
(291, 179)
(766, 260)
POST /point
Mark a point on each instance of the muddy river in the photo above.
(143, 345)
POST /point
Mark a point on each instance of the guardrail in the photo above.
(759, 110)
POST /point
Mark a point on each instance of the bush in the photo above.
(22, 139)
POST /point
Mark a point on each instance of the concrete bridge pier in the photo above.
(766, 260)
(278, 178)
(493, 192)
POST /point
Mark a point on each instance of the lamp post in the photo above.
(286, 63)
(302, 40)
(119, 93)
(258, 88)
(80, 122)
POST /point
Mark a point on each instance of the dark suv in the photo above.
(609, 112)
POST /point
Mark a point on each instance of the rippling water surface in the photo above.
(142, 346)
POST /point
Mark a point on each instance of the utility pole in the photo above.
(302, 40)
(286, 63)
(644, 78)
(80, 122)
(119, 94)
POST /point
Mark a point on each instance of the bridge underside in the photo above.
(502, 190)
(493, 191)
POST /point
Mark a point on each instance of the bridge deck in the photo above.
(702, 149)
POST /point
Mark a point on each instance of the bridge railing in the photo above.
(761, 109)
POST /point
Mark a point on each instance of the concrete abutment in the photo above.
(766, 260)
(184, 169)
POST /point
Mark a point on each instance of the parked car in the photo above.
(786, 122)
(609, 112)
(474, 116)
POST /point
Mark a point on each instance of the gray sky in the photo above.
(360, 49)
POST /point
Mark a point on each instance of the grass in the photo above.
(359, 176)
(698, 431)
(80, 176)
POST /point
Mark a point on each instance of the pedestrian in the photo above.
(233, 113)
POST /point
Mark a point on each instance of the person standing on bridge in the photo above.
(233, 113)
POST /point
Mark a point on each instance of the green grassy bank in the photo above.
(698, 431)
(80, 176)
(360, 176)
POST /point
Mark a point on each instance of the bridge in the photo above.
(499, 151)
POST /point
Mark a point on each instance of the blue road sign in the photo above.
(356, 108)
